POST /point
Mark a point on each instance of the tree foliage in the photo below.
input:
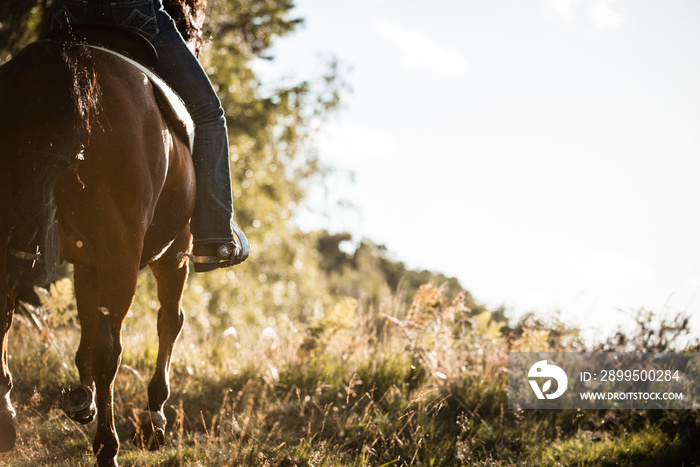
(20, 23)
(367, 269)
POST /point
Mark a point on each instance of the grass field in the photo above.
(356, 385)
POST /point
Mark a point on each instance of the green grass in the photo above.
(392, 387)
(650, 446)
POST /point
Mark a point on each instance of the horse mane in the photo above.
(47, 104)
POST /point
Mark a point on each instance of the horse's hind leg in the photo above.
(8, 434)
(79, 402)
(170, 271)
(117, 277)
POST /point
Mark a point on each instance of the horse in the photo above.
(91, 172)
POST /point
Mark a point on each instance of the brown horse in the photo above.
(91, 172)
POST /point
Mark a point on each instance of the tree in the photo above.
(370, 267)
(19, 24)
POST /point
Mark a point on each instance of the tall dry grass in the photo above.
(354, 385)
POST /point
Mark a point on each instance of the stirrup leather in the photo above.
(28, 259)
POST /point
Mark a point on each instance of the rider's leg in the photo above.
(177, 65)
(212, 225)
(217, 240)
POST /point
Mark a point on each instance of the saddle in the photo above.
(140, 53)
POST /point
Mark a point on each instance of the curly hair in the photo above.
(189, 18)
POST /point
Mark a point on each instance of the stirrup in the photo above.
(242, 245)
(227, 254)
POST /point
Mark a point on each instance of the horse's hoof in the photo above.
(150, 434)
(79, 404)
(8, 434)
(149, 438)
(111, 462)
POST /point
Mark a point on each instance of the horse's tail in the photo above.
(45, 103)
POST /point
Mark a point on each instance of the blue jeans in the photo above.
(177, 65)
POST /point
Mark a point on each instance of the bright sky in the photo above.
(545, 152)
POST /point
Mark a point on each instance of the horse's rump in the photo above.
(88, 129)
(136, 166)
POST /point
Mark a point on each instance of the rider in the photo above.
(218, 242)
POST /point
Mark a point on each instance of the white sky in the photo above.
(545, 152)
